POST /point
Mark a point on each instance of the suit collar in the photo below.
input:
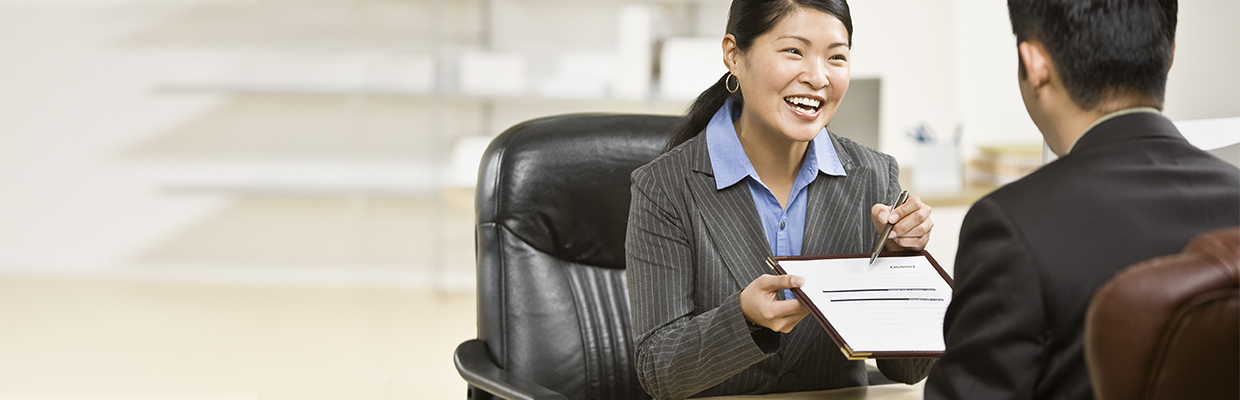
(819, 237)
(700, 155)
(846, 159)
(1126, 127)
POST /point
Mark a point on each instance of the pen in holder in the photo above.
(939, 168)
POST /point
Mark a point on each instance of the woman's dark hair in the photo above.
(1102, 48)
(748, 19)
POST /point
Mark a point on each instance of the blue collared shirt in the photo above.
(785, 227)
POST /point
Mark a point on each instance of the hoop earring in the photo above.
(727, 83)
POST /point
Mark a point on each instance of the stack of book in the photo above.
(1003, 164)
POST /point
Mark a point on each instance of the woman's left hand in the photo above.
(912, 224)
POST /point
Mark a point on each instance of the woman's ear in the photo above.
(731, 53)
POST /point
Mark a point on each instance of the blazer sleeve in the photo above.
(679, 352)
(906, 370)
(994, 325)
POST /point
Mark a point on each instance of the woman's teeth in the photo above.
(803, 103)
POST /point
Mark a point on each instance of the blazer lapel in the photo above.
(734, 229)
(732, 225)
(826, 233)
(820, 237)
(730, 218)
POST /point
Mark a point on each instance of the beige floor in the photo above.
(105, 339)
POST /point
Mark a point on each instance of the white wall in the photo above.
(988, 100)
(907, 44)
(68, 104)
(1205, 77)
(949, 62)
(73, 96)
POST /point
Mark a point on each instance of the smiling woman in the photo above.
(794, 76)
(752, 172)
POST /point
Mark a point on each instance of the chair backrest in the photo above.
(552, 208)
(1169, 328)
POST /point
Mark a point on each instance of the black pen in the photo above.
(882, 239)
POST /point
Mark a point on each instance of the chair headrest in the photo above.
(1221, 245)
(561, 183)
(1148, 328)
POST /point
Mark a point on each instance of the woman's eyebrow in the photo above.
(808, 42)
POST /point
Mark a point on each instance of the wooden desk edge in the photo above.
(895, 391)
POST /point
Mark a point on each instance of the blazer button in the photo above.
(788, 379)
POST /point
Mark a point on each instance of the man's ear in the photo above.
(1037, 63)
(731, 53)
(1172, 61)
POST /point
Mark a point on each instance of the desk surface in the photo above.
(896, 391)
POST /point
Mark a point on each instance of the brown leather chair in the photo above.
(1169, 328)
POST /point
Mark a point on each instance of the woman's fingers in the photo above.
(761, 305)
(912, 225)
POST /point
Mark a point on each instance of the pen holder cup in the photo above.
(939, 168)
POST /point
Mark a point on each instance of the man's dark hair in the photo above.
(1102, 48)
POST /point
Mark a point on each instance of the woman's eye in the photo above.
(793, 51)
(839, 57)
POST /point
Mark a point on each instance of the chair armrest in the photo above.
(476, 367)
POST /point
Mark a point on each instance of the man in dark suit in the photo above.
(1126, 187)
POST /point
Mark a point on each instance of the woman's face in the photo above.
(793, 76)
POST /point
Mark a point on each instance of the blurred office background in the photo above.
(235, 199)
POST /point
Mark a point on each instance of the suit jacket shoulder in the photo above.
(1131, 189)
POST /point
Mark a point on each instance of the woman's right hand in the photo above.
(761, 304)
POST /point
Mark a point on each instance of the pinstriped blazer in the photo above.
(690, 249)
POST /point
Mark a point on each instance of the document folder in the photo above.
(892, 308)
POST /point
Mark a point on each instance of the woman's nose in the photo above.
(815, 75)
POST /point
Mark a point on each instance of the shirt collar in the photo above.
(1110, 116)
(728, 160)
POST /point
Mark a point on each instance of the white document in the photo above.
(894, 305)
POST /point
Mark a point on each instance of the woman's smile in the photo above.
(805, 107)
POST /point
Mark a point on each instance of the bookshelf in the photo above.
(409, 79)
(357, 118)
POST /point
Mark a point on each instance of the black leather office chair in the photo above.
(553, 309)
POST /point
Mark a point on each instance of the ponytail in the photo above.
(700, 113)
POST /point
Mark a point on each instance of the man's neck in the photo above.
(1074, 122)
